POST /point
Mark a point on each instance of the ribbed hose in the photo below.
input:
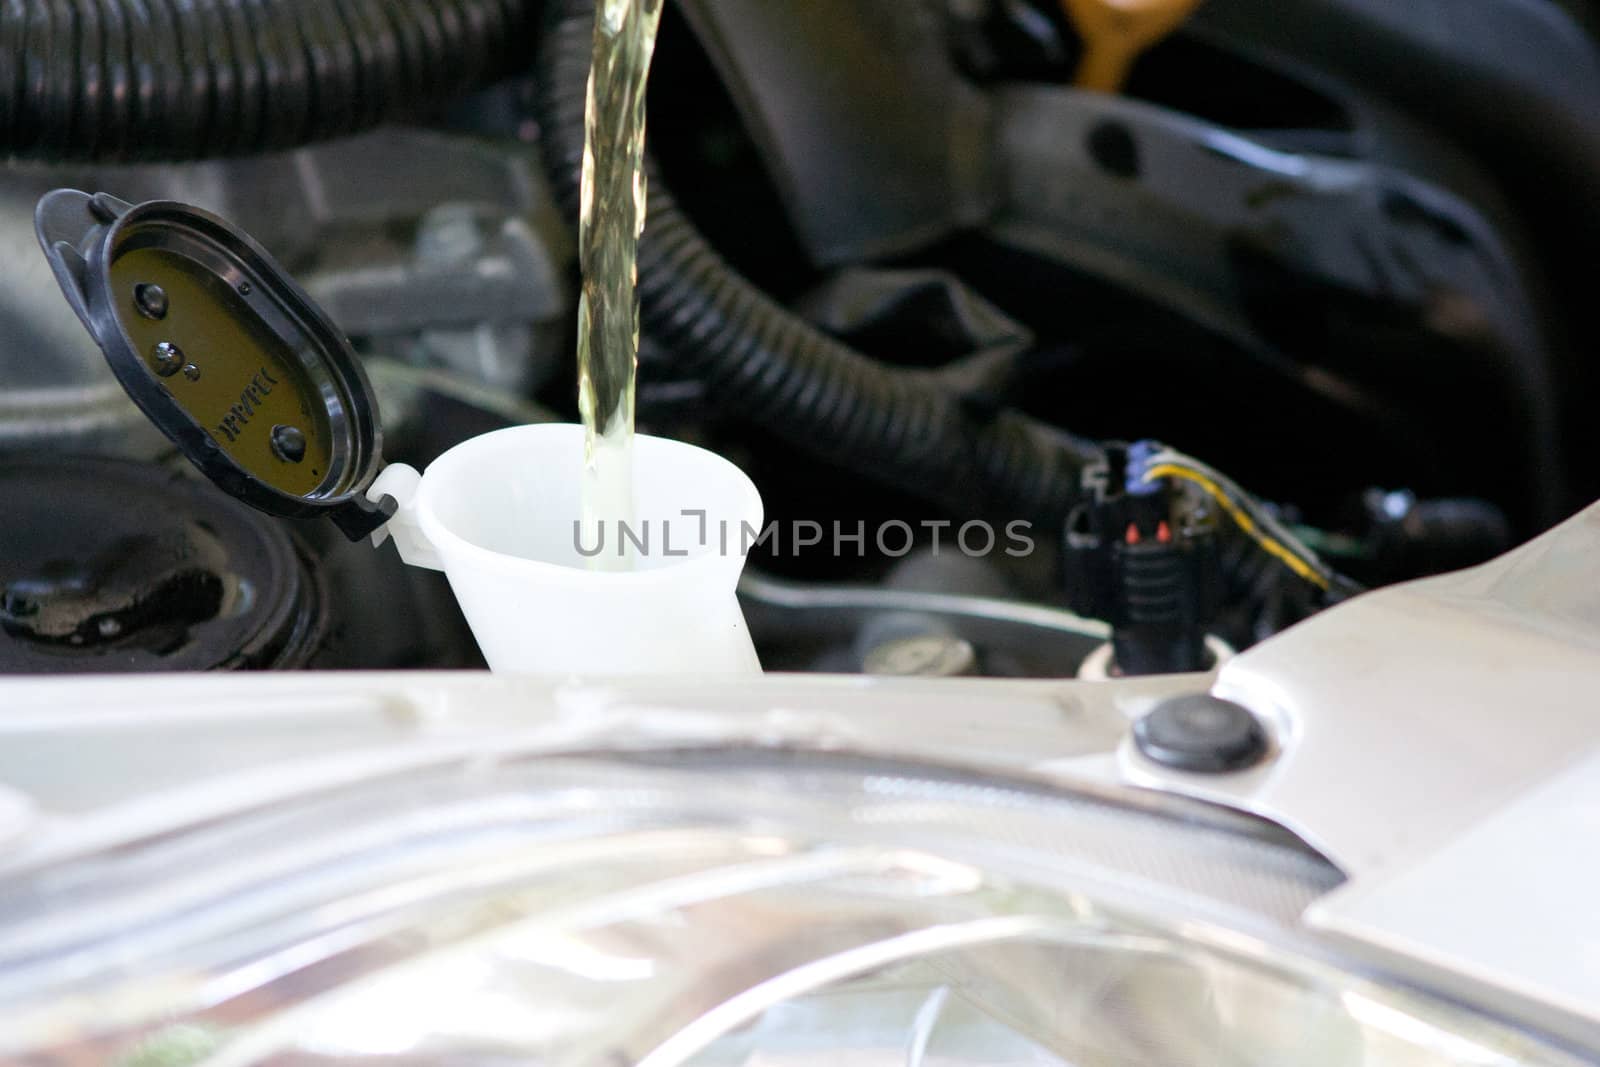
(764, 364)
(189, 79)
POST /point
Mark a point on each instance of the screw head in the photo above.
(151, 300)
(169, 359)
(288, 443)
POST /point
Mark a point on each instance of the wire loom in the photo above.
(191, 79)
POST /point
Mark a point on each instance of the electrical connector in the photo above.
(1142, 554)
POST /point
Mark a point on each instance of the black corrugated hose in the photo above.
(191, 79)
(770, 367)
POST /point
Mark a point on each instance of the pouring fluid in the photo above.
(611, 218)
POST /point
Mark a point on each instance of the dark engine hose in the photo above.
(766, 365)
(189, 79)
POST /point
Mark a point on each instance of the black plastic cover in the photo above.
(223, 352)
(875, 143)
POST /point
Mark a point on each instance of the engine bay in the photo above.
(898, 269)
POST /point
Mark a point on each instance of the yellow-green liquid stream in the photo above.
(610, 221)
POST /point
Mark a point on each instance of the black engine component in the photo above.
(871, 158)
(1349, 281)
(1399, 536)
(141, 79)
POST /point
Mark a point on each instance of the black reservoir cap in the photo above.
(223, 351)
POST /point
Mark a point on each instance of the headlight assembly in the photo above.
(716, 909)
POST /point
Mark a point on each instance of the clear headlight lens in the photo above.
(717, 911)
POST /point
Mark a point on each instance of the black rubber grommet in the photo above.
(1201, 733)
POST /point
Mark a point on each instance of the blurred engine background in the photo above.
(894, 257)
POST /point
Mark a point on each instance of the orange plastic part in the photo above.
(1116, 32)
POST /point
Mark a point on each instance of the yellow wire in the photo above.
(1273, 547)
